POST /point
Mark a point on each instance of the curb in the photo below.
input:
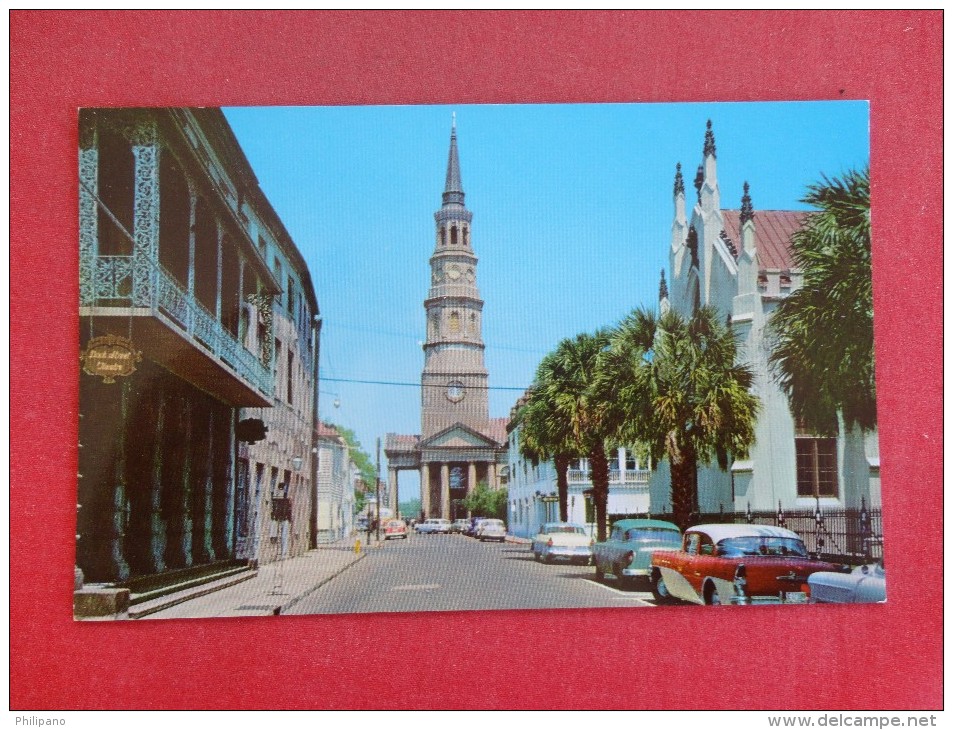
(301, 596)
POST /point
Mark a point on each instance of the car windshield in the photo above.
(492, 523)
(564, 530)
(738, 547)
(656, 534)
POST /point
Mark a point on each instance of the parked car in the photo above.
(736, 564)
(627, 553)
(474, 526)
(434, 525)
(395, 529)
(864, 584)
(491, 530)
(562, 541)
(459, 525)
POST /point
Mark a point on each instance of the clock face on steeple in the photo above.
(455, 391)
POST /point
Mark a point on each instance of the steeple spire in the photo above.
(679, 182)
(662, 288)
(747, 209)
(709, 141)
(453, 190)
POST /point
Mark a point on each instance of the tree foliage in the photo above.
(565, 420)
(823, 356)
(360, 458)
(544, 434)
(486, 502)
(672, 384)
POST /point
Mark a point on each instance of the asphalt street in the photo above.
(454, 573)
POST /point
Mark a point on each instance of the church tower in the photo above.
(454, 378)
(459, 446)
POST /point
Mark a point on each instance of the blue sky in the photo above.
(572, 211)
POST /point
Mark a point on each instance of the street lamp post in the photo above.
(377, 481)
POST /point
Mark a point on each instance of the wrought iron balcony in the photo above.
(136, 286)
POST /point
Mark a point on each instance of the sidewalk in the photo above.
(275, 588)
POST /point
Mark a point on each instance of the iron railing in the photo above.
(852, 536)
(616, 476)
(114, 283)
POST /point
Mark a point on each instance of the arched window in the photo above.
(455, 322)
(443, 236)
(453, 235)
(466, 236)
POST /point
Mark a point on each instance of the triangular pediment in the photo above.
(458, 436)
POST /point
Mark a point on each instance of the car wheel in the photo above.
(621, 578)
(660, 590)
(711, 595)
(600, 574)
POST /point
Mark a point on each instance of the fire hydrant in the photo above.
(357, 546)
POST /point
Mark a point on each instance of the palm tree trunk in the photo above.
(600, 488)
(684, 488)
(561, 462)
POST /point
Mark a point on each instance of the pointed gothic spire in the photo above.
(679, 182)
(747, 209)
(453, 189)
(662, 288)
(699, 181)
(709, 141)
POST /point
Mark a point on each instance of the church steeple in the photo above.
(453, 189)
(454, 376)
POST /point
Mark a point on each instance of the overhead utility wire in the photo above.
(416, 385)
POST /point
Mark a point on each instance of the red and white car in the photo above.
(395, 529)
(736, 564)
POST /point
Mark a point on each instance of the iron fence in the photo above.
(853, 536)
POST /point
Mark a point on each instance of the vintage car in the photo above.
(736, 564)
(627, 554)
(491, 530)
(473, 526)
(562, 541)
(395, 529)
(433, 526)
(459, 526)
(864, 584)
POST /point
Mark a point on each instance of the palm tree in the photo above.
(564, 417)
(545, 436)
(673, 384)
(824, 352)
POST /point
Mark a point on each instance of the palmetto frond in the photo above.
(823, 355)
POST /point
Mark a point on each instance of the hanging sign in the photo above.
(110, 357)
(281, 509)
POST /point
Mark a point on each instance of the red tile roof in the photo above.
(327, 431)
(495, 429)
(401, 442)
(773, 231)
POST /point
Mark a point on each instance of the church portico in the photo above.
(459, 445)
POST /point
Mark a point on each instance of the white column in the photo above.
(425, 489)
(392, 489)
(445, 491)
(471, 477)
